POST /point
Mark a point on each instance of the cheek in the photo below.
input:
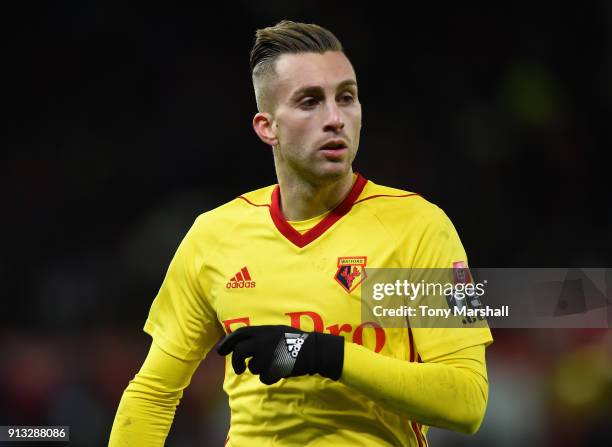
(355, 120)
(352, 115)
(357, 116)
(297, 130)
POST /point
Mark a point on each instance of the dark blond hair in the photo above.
(286, 37)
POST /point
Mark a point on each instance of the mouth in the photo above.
(334, 146)
(334, 154)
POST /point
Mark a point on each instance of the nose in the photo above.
(333, 119)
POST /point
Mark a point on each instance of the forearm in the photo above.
(144, 417)
(450, 393)
(148, 404)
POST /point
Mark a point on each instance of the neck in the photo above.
(302, 199)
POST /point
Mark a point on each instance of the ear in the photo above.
(263, 126)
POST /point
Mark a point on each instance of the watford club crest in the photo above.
(351, 272)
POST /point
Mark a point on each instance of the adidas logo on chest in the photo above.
(241, 280)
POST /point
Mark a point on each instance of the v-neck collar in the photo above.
(301, 240)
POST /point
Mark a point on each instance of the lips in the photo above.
(334, 145)
(334, 150)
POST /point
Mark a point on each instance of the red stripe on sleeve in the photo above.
(385, 195)
(411, 343)
(417, 433)
(254, 204)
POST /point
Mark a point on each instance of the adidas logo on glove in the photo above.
(294, 343)
(275, 352)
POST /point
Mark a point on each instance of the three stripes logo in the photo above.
(241, 280)
(286, 354)
(294, 343)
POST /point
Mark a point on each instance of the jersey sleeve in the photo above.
(439, 250)
(149, 402)
(449, 393)
(181, 320)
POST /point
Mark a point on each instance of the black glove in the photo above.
(282, 351)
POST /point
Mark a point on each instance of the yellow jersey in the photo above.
(244, 264)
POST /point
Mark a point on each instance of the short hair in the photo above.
(286, 37)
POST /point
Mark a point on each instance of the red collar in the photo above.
(301, 240)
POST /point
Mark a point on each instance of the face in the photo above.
(316, 121)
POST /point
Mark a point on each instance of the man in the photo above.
(276, 274)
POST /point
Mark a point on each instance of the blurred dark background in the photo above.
(126, 122)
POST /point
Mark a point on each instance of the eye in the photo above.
(347, 98)
(309, 103)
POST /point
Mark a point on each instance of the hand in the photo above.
(282, 351)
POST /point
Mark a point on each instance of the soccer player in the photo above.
(276, 273)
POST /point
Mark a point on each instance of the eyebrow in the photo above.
(312, 89)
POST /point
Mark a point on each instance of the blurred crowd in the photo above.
(126, 123)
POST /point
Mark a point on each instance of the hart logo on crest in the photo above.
(351, 272)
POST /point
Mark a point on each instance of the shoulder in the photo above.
(247, 207)
(417, 223)
(239, 208)
(398, 205)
